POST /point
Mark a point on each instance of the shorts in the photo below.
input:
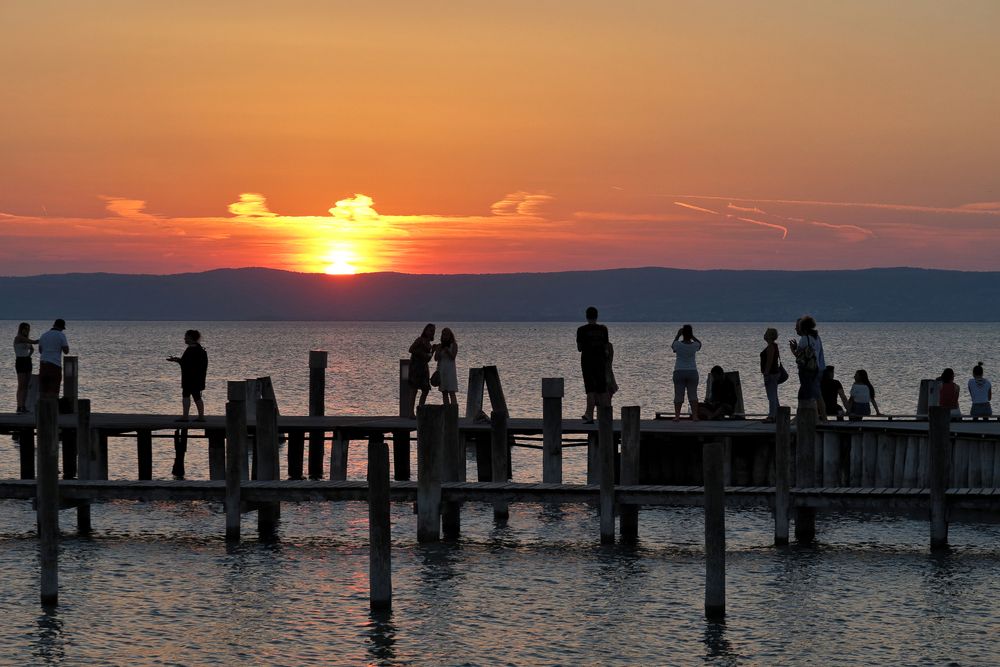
(419, 377)
(981, 410)
(22, 365)
(49, 379)
(861, 409)
(685, 380)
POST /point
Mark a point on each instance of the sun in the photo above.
(340, 263)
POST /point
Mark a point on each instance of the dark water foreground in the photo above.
(156, 584)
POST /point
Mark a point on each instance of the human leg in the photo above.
(22, 391)
(691, 382)
(771, 388)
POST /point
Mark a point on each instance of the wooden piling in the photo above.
(216, 453)
(899, 461)
(857, 461)
(430, 436)
(715, 530)
(869, 458)
(498, 459)
(26, 447)
(296, 451)
(267, 468)
(453, 460)
(606, 448)
(484, 456)
(939, 445)
(782, 473)
(498, 402)
(144, 448)
(236, 435)
(47, 500)
(886, 449)
(552, 395)
(338, 456)
(474, 394)
(831, 458)
(805, 438)
(628, 519)
(401, 439)
(911, 461)
(975, 478)
(960, 463)
(84, 457)
(379, 526)
(317, 408)
(71, 391)
(178, 469)
(593, 458)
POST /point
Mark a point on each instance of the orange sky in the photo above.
(501, 136)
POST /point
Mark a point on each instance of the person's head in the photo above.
(828, 373)
(59, 324)
(861, 377)
(770, 334)
(806, 326)
(717, 372)
(447, 336)
(977, 370)
(687, 332)
(23, 329)
(591, 314)
(947, 375)
(428, 332)
(192, 336)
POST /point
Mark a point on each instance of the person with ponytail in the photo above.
(980, 393)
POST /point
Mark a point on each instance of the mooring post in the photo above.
(26, 447)
(178, 469)
(267, 468)
(606, 472)
(216, 453)
(338, 456)
(83, 453)
(71, 391)
(453, 462)
(552, 395)
(401, 438)
(782, 473)
(296, 451)
(939, 432)
(498, 460)
(430, 435)
(379, 526)
(805, 438)
(628, 520)
(236, 461)
(831, 458)
(47, 500)
(144, 450)
(317, 408)
(715, 530)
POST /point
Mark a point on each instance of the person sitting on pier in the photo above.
(948, 395)
(720, 396)
(831, 389)
(862, 397)
(980, 393)
(419, 377)
(592, 343)
(194, 368)
(685, 346)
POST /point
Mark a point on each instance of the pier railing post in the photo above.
(552, 395)
(715, 530)
(606, 447)
(939, 432)
(628, 520)
(267, 467)
(401, 438)
(236, 463)
(498, 459)
(317, 408)
(83, 453)
(454, 461)
(782, 473)
(430, 436)
(71, 391)
(379, 525)
(805, 438)
(47, 500)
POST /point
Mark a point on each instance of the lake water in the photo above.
(156, 584)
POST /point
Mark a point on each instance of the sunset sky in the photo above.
(447, 137)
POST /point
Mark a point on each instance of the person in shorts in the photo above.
(194, 369)
(52, 345)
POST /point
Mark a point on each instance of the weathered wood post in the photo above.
(552, 395)
(267, 468)
(216, 453)
(939, 432)
(805, 437)
(857, 459)
(606, 446)
(317, 408)
(628, 520)
(453, 462)
(26, 447)
(401, 437)
(236, 458)
(715, 530)
(83, 453)
(782, 473)
(869, 458)
(831, 458)
(474, 394)
(71, 391)
(498, 459)
(144, 451)
(296, 451)
(47, 500)
(379, 526)
(886, 454)
(338, 456)
(178, 469)
(593, 458)
(430, 435)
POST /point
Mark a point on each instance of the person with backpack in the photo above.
(808, 351)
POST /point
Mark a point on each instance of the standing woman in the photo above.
(685, 346)
(770, 368)
(808, 351)
(448, 374)
(194, 368)
(23, 349)
(419, 377)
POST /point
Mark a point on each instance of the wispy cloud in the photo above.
(986, 208)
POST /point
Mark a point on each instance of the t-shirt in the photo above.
(949, 395)
(830, 390)
(979, 390)
(860, 393)
(817, 345)
(774, 362)
(50, 346)
(685, 355)
(592, 340)
(194, 367)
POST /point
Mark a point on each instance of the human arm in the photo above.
(875, 406)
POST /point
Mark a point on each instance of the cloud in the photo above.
(529, 204)
(985, 208)
(358, 208)
(251, 205)
(132, 209)
(781, 228)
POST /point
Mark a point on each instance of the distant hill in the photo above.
(643, 294)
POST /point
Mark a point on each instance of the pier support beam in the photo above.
(498, 459)
(47, 500)
(144, 452)
(236, 467)
(430, 436)
(379, 526)
(715, 530)
(267, 467)
(339, 449)
(606, 448)
(782, 473)
(628, 520)
(317, 408)
(939, 432)
(453, 465)
(296, 451)
(401, 439)
(83, 453)
(216, 453)
(26, 446)
(552, 395)
(805, 438)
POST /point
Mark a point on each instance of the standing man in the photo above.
(51, 346)
(592, 342)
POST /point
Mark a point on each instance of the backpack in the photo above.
(805, 357)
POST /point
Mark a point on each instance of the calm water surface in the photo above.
(156, 583)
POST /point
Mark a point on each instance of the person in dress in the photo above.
(447, 373)
(862, 399)
(609, 372)
(194, 369)
(685, 347)
(808, 351)
(948, 396)
(24, 347)
(419, 377)
(592, 343)
(831, 389)
(980, 393)
(770, 368)
(52, 345)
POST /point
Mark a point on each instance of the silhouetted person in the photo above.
(980, 393)
(948, 396)
(720, 396)
(770, 368)
(592, 342)
(51, 346)
(808, 351)
(194, 368)
(831, 389)
(23, 349)
(862, 397)
(685, 346)
(419, 377)
(446, 353)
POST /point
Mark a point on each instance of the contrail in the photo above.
(784, 230)
(966, 209)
